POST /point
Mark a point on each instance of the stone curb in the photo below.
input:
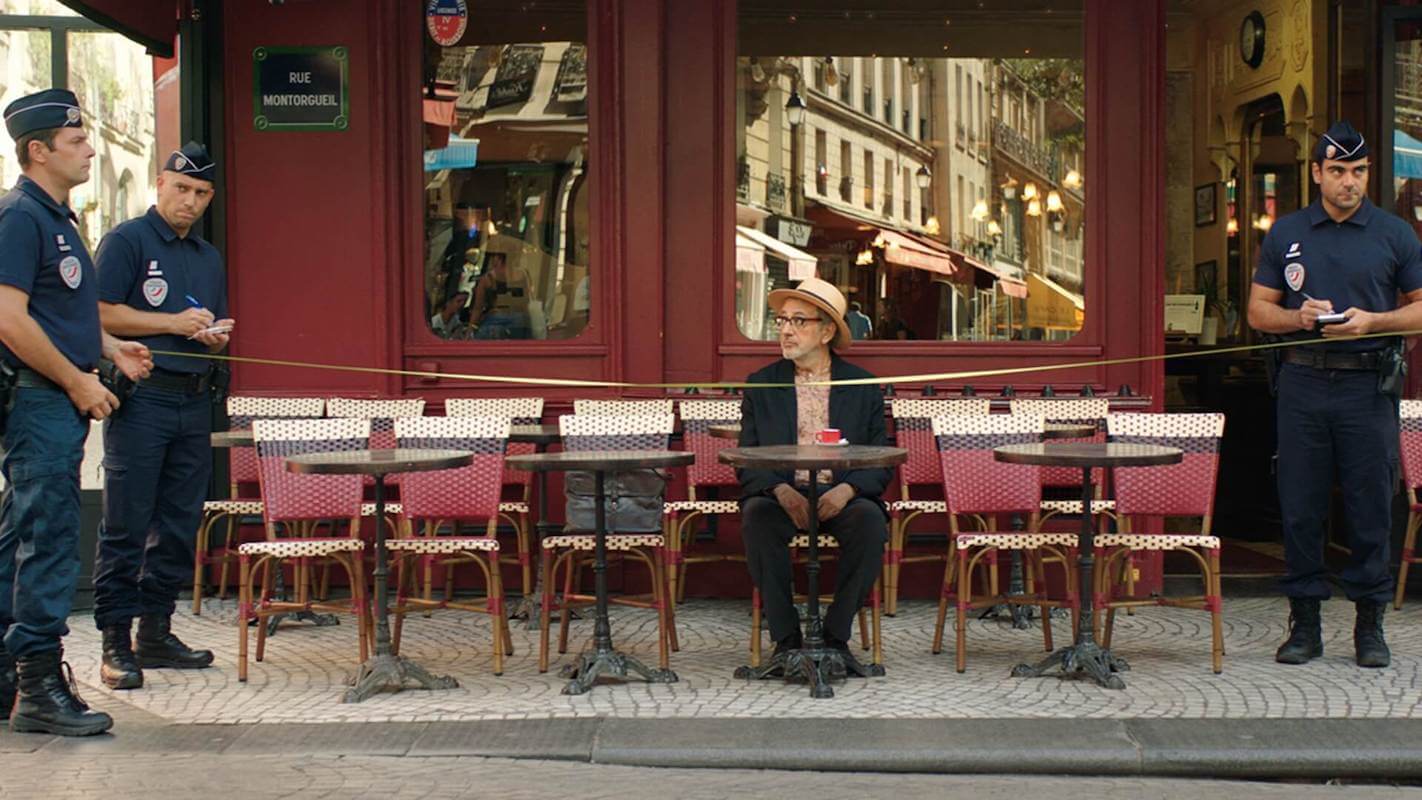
(1230, 748)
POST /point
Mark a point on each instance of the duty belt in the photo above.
(181, 382)
(29, 379)
(1324, 359)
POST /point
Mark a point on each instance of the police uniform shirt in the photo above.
(42, 255)
(1362, 262)
(143, 263)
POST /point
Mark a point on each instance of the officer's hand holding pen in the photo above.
(212, 340)
(189, 321)
(1311, 310)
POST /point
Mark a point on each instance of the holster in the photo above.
(116, 382)
(220, 380)
(1392, 371)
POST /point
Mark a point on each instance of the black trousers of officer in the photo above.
(1335, 424)
(157, 462)
(861, 530)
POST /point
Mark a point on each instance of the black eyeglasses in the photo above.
(798, 323)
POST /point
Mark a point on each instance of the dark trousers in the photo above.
(1335, 425)
(861, 530)
(39, 519)
(157, 462)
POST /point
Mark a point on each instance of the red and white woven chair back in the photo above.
(470, 492)
(604, 432)
(697, 417)
(1412, 442)
(1078, 410)
(1184, 489)
(292, 496)
(624, 407)
(974, 481)
(518, 411)
(242, 410)
(381, 413)
(913, 430)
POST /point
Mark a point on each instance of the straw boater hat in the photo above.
(824, 296)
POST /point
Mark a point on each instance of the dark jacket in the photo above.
(768, 417)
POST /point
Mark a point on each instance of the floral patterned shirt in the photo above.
(812, 416)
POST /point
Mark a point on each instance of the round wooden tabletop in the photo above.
(599, 460)
(1068, 430)
(378, 462)
(233, 438)
(725, 431)
(1089, 454)
(536, 434)
(814, 456)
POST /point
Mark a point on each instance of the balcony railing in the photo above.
(742, 179)
(1045, 160)
(775, 191)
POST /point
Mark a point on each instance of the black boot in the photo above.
(120, 669)
(49, 703)
(158, 647)
(1368, 644)
(1305, 633)
(7, 683)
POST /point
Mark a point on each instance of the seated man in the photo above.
(774, 504)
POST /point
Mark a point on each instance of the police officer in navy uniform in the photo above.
(161, 283)
(1337, 401)
(50, 343)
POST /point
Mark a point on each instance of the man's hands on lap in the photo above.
(797, 506)
(834, 501)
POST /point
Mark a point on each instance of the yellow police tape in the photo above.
(920, 378)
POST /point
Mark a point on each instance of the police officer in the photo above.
(164, 285)
(1337, 269)
(50, 342)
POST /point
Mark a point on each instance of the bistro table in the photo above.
(604, 661)
(383, 669)
(725, 431)
(1085, 656)
(815, 661)
(540, 436)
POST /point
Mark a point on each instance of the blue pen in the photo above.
(193, 300)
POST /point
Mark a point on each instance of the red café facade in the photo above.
(325, 232)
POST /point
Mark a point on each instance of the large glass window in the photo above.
(507, 223)
(988, 242)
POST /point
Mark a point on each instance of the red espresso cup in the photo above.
(828, 436)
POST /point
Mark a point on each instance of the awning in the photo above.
(802, 264)
(1406, 156)
(458, 154)
(900, 249)
(750, 256)
(1051, 306)
(151, 23)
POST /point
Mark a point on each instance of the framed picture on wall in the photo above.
(1205, 204)
(1205, 278)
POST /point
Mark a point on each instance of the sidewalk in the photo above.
(1258, 719)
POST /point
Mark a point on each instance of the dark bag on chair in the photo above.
(633, 501)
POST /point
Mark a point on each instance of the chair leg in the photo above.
(1216, 623)
(571, 566)
(1040, 589)
(668, 569)
(226, 557)
(863, 629)
(661, 595)
(671, 534)
(964, 599)
(890, 571)
(545, 609)
(950, 571)
(755, 628)
(525, 554)
(497, 617)
(244, 613)
(200, 546)
(1408, 548)
(878, 613)
(270, 565)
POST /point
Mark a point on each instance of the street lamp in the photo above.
(795, 108)
(1009, 188)
(923, 177)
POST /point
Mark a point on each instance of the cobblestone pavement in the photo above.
(306, 668)
(310, 778)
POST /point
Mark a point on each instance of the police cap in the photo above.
(51, 108)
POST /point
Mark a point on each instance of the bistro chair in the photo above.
(607, 432)
(913, 430)
(1186, 489)
(469, 493)
(697, 417)
(518, 411)
(241, 469)
(1411, 447)
(624, 408)
(977, 485)
(296, 501)
(1078, 410)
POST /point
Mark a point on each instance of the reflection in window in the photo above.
(505, 172)
(985, 242)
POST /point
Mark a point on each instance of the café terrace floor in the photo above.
(1257, 719)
